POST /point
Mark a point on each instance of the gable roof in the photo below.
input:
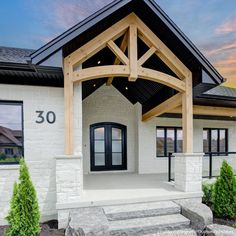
(140, 7)
(9, 136)
(14, 55)
(222, 92)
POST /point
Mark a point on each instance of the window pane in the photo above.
(170, 140)
(160, 142)
(116, 146)
(99, 146)
(116, 133)
(116, 158)
(214, 140)
(222, 140)
(179, 140)
(205, 141)
(11, 135)
(99, 133)
(99, 159)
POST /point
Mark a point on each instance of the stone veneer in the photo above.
(188, 171)
(69, 185)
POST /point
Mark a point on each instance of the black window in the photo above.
(108, 146)
(11, 132)
(168, 140)
(215, 140)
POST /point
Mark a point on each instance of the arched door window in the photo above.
(108, 147)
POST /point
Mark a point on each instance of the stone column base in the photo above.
(69, 181)
(188, 171)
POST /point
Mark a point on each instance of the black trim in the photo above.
(108, 146)
(209, 136)
(19, 103)
(165, 128)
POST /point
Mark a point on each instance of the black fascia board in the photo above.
(27, 67)
(218, 97)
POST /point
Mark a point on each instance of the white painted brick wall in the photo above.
(108, 105)
(8, 175)
(42, 142)
(149, 163)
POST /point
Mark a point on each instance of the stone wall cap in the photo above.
(188, 154)
(9, 167)
(68, 157)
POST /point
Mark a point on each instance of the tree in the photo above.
(13, 217)
(224, 204)
(24, 214)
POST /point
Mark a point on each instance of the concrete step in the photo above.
(139, 210)
(147, 225)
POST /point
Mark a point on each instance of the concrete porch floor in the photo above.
(116, 188)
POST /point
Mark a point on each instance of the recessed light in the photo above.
(94, 85)
(99, 62)
(126, 88)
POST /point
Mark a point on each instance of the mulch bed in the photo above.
(49, 228)
(228, 222)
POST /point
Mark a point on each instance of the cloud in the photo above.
(227, 67)
(63, 14)
(223, 48)
(229, 26)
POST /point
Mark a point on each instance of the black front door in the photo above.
(108, 147)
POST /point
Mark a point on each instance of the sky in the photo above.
(209, 24)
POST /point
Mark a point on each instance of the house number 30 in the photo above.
(50, 117)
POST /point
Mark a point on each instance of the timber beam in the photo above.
(208, 111)
(171, 103)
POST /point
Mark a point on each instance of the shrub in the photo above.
(208, 190)
(24, 213)
(13, 217)
(224, 204)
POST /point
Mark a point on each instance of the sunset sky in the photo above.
(210, 24)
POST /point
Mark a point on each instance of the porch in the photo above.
(117, 188)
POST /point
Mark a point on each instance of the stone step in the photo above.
(147, 225)
(139, 210)
(180, 232)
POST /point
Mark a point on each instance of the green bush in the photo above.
(224, 204)
(208, 190)
(23, 217)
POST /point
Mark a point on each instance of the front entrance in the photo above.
(108, 146)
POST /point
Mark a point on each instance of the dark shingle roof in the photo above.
(222, 91)
(14, 55)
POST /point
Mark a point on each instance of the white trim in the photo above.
(9, 167)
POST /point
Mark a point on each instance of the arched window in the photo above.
(108, 146)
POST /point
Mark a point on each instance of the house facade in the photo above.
(99, 109)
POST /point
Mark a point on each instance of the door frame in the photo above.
(108, 145)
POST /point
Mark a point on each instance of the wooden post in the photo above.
(68, 106)
(133, 52)
(187, 115)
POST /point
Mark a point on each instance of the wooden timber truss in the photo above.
(131, 67)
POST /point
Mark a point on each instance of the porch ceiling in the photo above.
(146, 92)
